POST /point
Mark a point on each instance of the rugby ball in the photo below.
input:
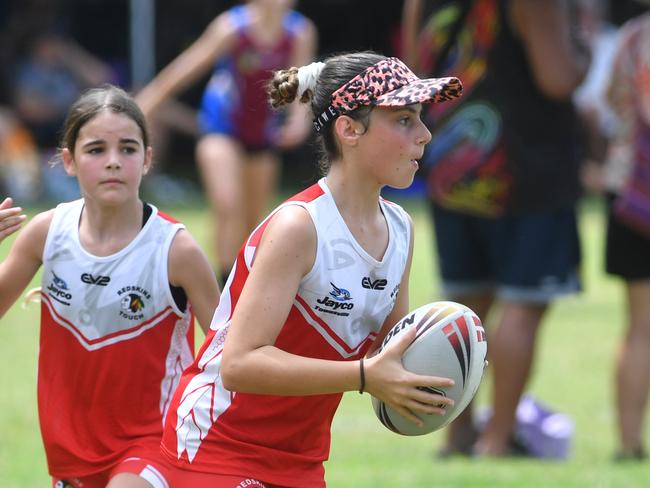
(450, 342)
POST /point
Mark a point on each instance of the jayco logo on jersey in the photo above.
(58, 290)
(371, 284)
(338, 299)
(133, 302)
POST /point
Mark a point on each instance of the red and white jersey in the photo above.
(113, 345)
(339, 309)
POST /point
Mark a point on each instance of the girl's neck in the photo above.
(356, 195)
(266, 25)
(358, 204)
(106, 230)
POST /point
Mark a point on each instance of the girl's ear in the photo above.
(348, 130)
(148, 160)
(68, 162)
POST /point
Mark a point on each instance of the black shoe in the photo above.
(517, 448)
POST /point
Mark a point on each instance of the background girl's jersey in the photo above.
(112, 347)
(235, 101)
(339, 309)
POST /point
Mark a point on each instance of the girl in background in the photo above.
(626, 177)
(237, 153)
(120, 287)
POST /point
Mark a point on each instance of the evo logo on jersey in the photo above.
(98, 280)
(58, 290)
(337, 300)
(371, 284)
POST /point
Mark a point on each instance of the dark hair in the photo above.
(94, 101)
(338, 70)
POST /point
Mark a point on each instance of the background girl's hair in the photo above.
(95, 101)
(338, 70)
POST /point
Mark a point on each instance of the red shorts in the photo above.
(181, 478)
(185, 478)
(154, 471)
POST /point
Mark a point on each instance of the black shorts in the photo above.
(627, 252)
(533, 258)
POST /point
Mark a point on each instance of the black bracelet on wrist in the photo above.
(362, 377)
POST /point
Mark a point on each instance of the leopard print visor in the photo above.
(388, 83)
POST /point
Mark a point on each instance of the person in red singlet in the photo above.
(297, 316)
(121, 285)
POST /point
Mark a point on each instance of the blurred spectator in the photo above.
(503, 173)
(590, 97)
(626, 178)
(46, 82)
(20, 169)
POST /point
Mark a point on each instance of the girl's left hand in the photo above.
(11, 218)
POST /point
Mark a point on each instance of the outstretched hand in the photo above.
(387, 380)
(11, 218)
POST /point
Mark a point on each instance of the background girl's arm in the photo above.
(189, 268)
(298, 124)
(24, 260)
(11, 218)
(190, 65)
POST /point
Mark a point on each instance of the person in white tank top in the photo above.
(121, 285)
(313, 291)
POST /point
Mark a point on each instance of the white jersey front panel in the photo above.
(348, 294)
(104, 300)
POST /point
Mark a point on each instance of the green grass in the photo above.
(573, 373)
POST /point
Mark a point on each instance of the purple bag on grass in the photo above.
(539, 431)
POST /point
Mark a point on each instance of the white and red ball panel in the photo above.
(450, 342)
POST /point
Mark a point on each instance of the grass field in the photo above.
(573, 374)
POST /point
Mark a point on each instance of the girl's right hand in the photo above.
(11, 218)
(388, 381)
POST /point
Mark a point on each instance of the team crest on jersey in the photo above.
(58, 290)
(133, 302)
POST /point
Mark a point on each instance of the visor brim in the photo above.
(430, 90)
